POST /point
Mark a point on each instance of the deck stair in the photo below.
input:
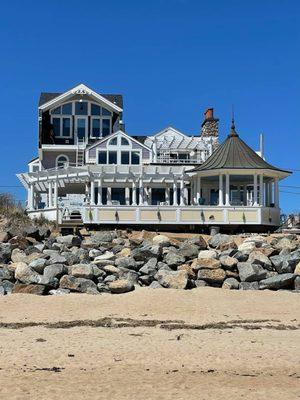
(80, 152)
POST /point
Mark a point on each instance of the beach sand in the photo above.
(204, 343)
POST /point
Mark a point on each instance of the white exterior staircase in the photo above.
(80, 152)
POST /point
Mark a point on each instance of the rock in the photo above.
(256, 257)
(25, 274)
(208, 263)
(251, 272)
(82, 255)
(111, 269)
(102, 287)
(5, 252)
(200, 283)
(20, 256)
(230, 283)
(208, 254)
(4, 237)
(155, 285)
(173, 259)
(286, 244)
(81, 271)
(108, 255)
(297, 283)
(78, 284)
(145, 252)
(29, 289)
(222, 242)
(297, 269)
(98, 273)
(246, 247)
(150, 267)
(59, 292)
(126, 262)
(55, 271)
(240, 256)
(248, 286)
(277, 282)
(267, 250)
(6, 273)
(72, 258)
(188, 250)
(69, 240)
(172, 279)
(110, 278)
(93, 253)
(129, 275)
(199, 241)
(125, 252)
(99, 238)
(213, 276)
(258, 240)
(188, 268)
(286, 263)
(161, 240)
(228, 262)
(120, 286)
(57, 259)
(8, 286)
(2, 291)
(38, 265)
(231, 274)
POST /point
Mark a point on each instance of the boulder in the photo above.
(251, 272)
(78, 284)
(286, 243)
(222, 242)
(228, 262)
(18, 255)
(2, 290)
(129, 274)
(59, 292)
(230, 283)
(125, 252)
(208, 263)
(145, 280)
(145, 252)
(188, 250)
(25, 274)
(286, 263)
(5, 252)
(57, 259)
(240, 256)
(72, 258)
(93, 253)
(161, 240)
(7, 285)
(213, 276)
(248, 286)
(126, 262)
(108, 255)
(102, 287)
(174, 258)
(81, 271)
(104, 237)
(278, 282)
(256, 257)
(200, 283)
(111, 269)
(150, 268)
(120, 286)
(297, 269)
(110, 278)
(297, 283)
(6, 273)
(69, 240)
(188, 268)
(258, 240)
(29, 289)
(155, 285)
(199, 241)
(38, 265)
(246, 247)
(55, 271)
(172, 279)
(208, 254)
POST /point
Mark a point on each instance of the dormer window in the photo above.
(113, 141)
(119, 151)
(100, 120)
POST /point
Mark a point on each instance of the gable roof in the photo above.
(234, 153)
(115, 101)
(115, 134)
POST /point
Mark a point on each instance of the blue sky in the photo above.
(170, 59)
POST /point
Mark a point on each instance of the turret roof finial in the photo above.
(232, 130)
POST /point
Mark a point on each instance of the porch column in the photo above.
(109, 195)
(92, 192)
(133, 192)
(50, 204)
(186, 196)
(100, 192)
(149, 196)
(221, 202)
(245, 203)
(127, 196)
(227, 192)
(182, 191)
(198, 193)
(141, 194)
(276, 193)
(255, 190)
(30, 193)
(167, 195)
(193, 191)
(270, 190)
(55, 194)
(175, 200)
(261, 190)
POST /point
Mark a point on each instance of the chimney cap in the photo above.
(209, 113)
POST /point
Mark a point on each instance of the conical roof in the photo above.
(234, 153)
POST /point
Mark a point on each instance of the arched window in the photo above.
(113, 141)
(62, 161)
(124, 142)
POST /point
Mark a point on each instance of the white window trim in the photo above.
(61, 117)
(118, 150)
(62, 155)
(86, 126)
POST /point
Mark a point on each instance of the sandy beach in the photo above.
(151, 344)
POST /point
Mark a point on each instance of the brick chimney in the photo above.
(210, 125)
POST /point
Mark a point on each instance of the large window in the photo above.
(119, 151)
(125, 155)
(135, 157)
(62, 161)
(99, 126)
(112, 157)
(102, 157)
